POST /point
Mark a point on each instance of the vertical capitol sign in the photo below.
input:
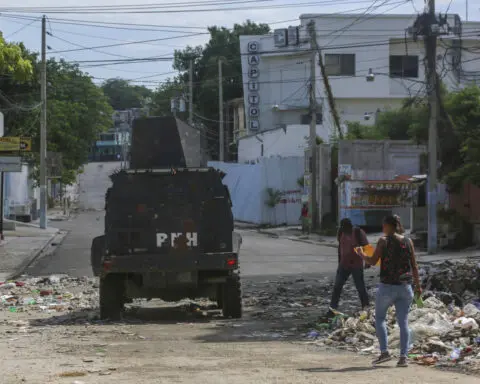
(253, 98)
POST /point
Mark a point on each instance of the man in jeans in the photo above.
(350, 263)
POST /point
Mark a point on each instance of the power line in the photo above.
(105, 24)
(93, 49)
(148, 27)
(22, 28)
(176, 10)
(137, 6)
(131, 43)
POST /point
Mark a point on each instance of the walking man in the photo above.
(349, 263)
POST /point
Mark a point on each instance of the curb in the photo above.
(59, 236)
(319, 243)
(267, 233)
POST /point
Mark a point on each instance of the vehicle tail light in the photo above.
(107, 265)
(232, 262)
(141, 208)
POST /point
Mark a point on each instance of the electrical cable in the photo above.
(21, 29)
(160, 9)
(132, 42)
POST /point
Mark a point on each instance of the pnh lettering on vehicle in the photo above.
(162, 238)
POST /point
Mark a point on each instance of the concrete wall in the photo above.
(370, 157)
(467, 203)
(290, 141)
(248, 183)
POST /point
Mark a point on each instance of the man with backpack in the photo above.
(349, 263)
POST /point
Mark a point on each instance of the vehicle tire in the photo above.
(232, 298)
(112, 296)
(96, 253)
(219, 297)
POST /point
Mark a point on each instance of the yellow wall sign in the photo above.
(13, 144)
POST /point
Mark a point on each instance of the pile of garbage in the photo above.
(440, 334)
(453, 283)
(57, 293)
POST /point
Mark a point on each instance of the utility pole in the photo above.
(326, 83)
(220, 111)
(190, 93)
(430, 27)
(43, 129)
(313, 143)
(431, 53)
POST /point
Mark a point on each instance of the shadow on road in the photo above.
(342, 370)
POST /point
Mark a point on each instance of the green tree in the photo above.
(160, 102)
(122, 95)
(223, 44)
(13, 62)
(458, 132)
(20, 97)
(460, 147)
(77, 110)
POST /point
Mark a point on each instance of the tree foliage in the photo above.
(458, 132)
(160, 103)
(77, 110)
(122, 95)
(223, 44)
(12, 61)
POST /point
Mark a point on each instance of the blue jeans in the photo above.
(401, 296)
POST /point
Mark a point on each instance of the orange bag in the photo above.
(369, 250)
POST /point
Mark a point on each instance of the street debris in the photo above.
(57, 293)
(444, 330)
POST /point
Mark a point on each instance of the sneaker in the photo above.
(383, 358)
(402, 362)
(335, 312)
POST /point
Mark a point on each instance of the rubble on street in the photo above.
(445, 330)
(54, 294)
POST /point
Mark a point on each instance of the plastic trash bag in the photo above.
(465, 323)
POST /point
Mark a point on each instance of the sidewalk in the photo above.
(295, 234)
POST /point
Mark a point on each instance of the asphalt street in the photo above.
(164, 343)
(260, 254)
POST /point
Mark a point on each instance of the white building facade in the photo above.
(276, 75)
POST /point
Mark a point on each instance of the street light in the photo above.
(371, 75)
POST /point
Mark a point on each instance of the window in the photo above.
(403, 66)
(305, 119)
(340, 65)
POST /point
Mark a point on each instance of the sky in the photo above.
(170, 30)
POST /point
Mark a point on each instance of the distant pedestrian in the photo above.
(304, 219)
(349, 263)
(398, 272)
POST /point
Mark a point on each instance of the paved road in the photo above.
(73, 255)
(260, 255)
(177, 348)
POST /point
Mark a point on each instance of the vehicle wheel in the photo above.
(232, 298)
(112, 296)
(96, 254)
(219, 297)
